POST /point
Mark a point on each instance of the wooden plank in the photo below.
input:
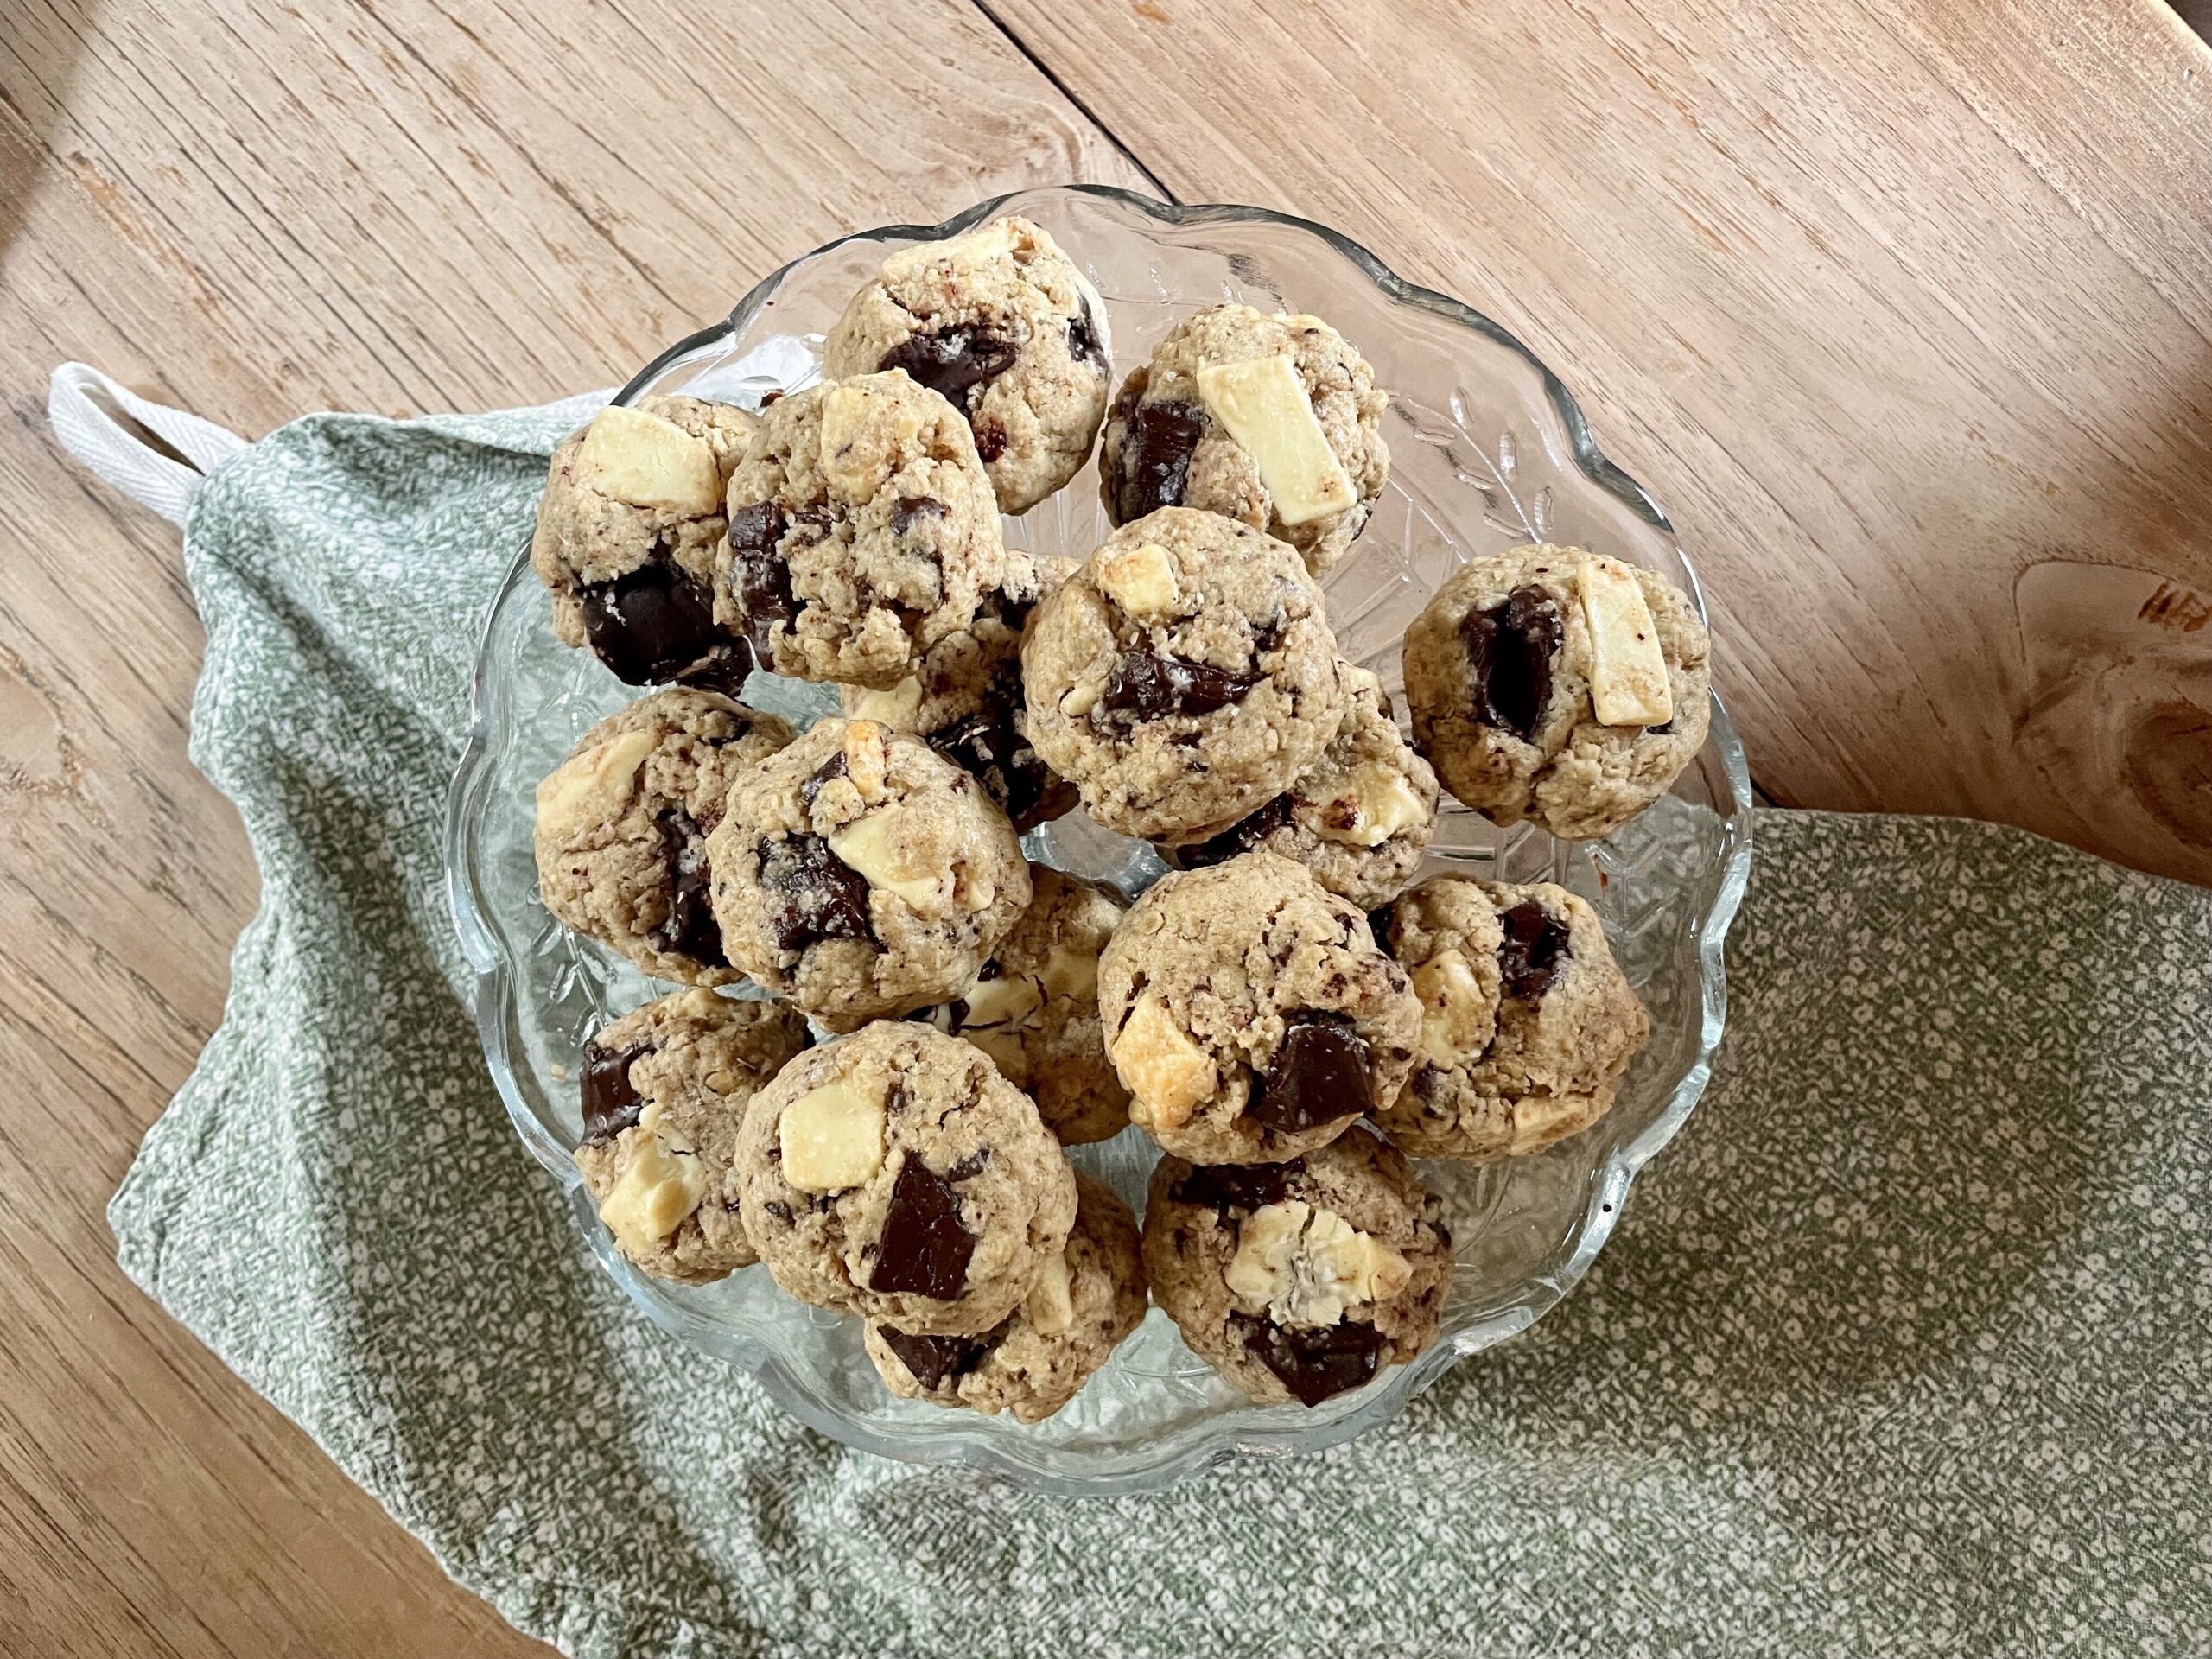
(398, 206)
(1901, 307)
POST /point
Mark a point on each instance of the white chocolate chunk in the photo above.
(1263, 403)
(1008, 1001)
(662, 1184)
(1082, 697)
(973, 886)
(1628, 669)
(1305, 1266)
(1357, 1267)
(1139, 579)
(1050, 1308)
(1167, 1072)
(1457, 1019)
(1265, 1244)
(831, 1138)
(873, 845)
(1371, 805)
(1069, 974)
(867, 758)
(899, 708)
(862, 437)
(595, 787)
(648, 462)
(979, 247)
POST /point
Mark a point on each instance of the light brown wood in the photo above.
(1901, 307)
(255, 212)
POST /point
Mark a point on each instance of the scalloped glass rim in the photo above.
(995, 1445)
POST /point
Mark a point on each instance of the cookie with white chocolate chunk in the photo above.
(627, 534)
(895, 1174)
(1360, 817)
(1526, 1020)
(1299, 1281)
(1183, 676)
(1086, 1300)
(664, 1092)
(860, 873)
(621, 827)
(1272, 421)
(1251, 1013)
(1554, 685)
(862, 530)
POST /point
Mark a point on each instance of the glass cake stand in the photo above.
(1488, 451)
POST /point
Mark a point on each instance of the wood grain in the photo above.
(1901, 307)
(398, 206)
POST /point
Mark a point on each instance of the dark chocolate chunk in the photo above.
(911, 507)
(971, 1166)
(724, 668)
(923, 1250)
(986, 746)
(1534, 952)
(1509, 651)
(649, 625)
(1319, 1075)
(688, 928)
(831, 768)
(1153, 462)
(1084, 343)
(1241, 1186)
(1147, 686)
(611, 1104)
(954, 362)
(990, 437)
(779, 1210)
(760, 579)
(1315, 1362)
(933, 1360)
(1240, 837)
(812, 893)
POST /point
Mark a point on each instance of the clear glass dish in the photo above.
(1488, 451)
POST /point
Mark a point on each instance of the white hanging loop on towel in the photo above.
(79, 404)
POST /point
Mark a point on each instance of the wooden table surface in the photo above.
(1902, 308)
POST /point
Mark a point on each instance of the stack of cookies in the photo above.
(1282, 1014)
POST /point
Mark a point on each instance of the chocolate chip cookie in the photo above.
(627, 533)
(860, 874)
(1183, 676)
(1273, 421)
(665, 1089)
(1360, 817)
(622, 825)
(1553, 684)
(862, 530)
(1299, 1281)
(897, 1175)
(965, 701)
(1527, 1022)
(1034, 1008)
(1001, 323)
(1251, 1013)
(1088, 1299)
